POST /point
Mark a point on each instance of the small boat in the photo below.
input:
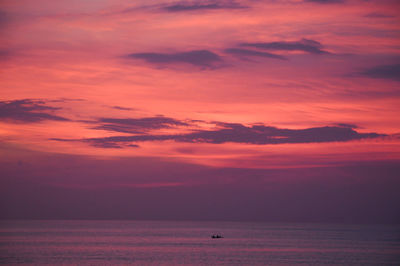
(217, 236)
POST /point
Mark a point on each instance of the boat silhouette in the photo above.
(217, 236)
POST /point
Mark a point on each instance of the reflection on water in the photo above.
(172, 243)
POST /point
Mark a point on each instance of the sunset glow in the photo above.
(135, 101)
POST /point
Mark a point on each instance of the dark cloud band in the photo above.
(137, 125)
(204, 5)
(28, 111)
(201, 58)
(238, 133)
(246, 53)
(304, 45)
(383, 72)
(325, 1)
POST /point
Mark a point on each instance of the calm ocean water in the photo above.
(190, 243)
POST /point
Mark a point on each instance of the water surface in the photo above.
(190, 243)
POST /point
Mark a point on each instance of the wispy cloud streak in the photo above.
(305, 45)
(378, 15)
(245, 53)
(137, 125)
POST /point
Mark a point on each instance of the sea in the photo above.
(104, 242)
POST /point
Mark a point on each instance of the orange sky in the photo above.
(248, 84)
(79, 51)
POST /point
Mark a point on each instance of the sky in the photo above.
(246, 110)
